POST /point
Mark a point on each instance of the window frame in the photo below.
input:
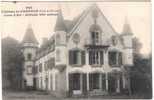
(29, 56)
(95, 37)
(75, 55)
(118, 59)
(96, 57)
(29, 69)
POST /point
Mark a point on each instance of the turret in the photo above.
(127, 44)
(29, 47)
(60, 41)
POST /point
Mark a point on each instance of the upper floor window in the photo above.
(35, 70)
(46, 65)
(95, 31)
(51, 63)
(29, 56)
(115, 58)
(76, 57)
(95, 37)
(40, 67)
(96, 57)
(29, 69)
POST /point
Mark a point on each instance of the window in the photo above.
(46, 66)
(95, 37)
(29, 69)
(76, 57)
(114, 40)
(51, 63)
(115, 58)
(35, 70)
(112, 58)
(76, 81)
(29, 56)
(96, 57)
(40, 67)
(94, 81)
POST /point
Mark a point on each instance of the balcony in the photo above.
(89, 44)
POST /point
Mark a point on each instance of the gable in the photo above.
(83, 25)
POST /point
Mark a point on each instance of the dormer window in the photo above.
(95, 32)
(95, 37)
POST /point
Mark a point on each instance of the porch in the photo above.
(91, 84)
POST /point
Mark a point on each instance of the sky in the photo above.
(138, 15)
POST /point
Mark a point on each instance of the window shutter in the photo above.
(120, 58)
(109, 58)
(83, 57)
(70, 57)
(90, 82)
(70, 82)
(90, 58)
(101, 57)
(84, 79)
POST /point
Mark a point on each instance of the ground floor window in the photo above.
(94, 81)
(97, 82)
(76, 81)
(103, 82)
(51, 82)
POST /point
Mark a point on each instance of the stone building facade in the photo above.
(85, 56)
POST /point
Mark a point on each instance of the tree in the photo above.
(136, 46)
(12, 60)
(141, 74)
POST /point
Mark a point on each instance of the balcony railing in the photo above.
(100, 43)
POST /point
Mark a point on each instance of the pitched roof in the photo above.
(60, 25)
(82, 16)
(126, 28)
(29, 36)
(66, 25)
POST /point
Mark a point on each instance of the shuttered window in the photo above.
(76, 57)
(115, 58)
(112, 58)
(95, 37)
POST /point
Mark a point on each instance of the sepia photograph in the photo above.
(76, 50)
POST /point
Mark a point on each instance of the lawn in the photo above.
(37, 95)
